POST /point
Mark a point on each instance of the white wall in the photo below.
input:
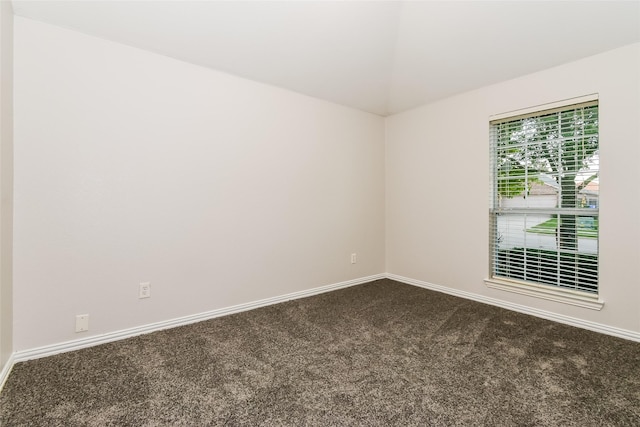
(6, 181)
(437, 183)
(131, 167)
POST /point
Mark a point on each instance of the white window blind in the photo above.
(545, 198)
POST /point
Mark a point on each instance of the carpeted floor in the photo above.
(383, 353)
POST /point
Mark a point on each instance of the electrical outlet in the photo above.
(145, 290)
(82, 322)
(354, 258)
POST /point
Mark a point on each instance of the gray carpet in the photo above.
(382, 353)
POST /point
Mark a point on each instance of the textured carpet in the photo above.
(382, 353)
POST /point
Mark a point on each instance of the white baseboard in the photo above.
(6, 370)
(50, 350)
(78, 344)
(567, 320)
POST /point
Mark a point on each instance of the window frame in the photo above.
(556, 293)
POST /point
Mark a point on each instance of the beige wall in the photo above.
(6, 181)
(135, 167)
(437, 183)
(132, 167)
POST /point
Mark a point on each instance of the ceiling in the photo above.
(378, 56)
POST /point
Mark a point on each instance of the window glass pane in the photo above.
(546, 198)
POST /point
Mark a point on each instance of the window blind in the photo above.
(544, 217)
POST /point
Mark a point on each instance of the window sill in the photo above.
(579, 299)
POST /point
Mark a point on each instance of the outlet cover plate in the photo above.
(82, 322)
(145, 290)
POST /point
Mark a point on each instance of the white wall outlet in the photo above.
(82, 322)
(145, 290)
(354, 258)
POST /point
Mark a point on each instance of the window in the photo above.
(545, 203)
